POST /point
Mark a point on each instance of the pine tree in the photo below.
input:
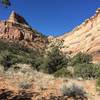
(55, 60)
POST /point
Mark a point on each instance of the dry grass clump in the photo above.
(24, 77)
(74, 91)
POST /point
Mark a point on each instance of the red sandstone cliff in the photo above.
(17, 29)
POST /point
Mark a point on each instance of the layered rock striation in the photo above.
(85, 38)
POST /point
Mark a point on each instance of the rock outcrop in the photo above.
(17, 29)
(16, 18)
(85, 38)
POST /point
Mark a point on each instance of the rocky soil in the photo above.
(47, 88)
(27, 84)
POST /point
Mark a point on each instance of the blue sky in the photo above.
(52, 17)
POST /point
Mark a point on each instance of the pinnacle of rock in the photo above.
(16, 18)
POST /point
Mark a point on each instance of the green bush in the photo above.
(7, 59)
(38, 62)
(12, 53)
(87, 71)
(55, 60)
(74, 91)
(7, 62)
(80, 58)
(63, 73)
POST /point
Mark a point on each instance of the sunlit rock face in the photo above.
(15, 28)
(85, 38)
(16, 18)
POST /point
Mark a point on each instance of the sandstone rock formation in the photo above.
(85, 38)
(17, 29)
(16, 18)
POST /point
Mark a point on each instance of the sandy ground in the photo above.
(45, 85)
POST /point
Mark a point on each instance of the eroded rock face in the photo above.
(85, 38)
(13, 31)
(17, 29)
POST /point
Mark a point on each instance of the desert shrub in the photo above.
(25, 85)
(12, 53)
(55, 60)
(87, 71)
(7, 60)
(63, 73)
(73, 91)
(17, 53)
(37, 63)
(81, 58)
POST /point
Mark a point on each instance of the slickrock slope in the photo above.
(85, 38)
(17, 29)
